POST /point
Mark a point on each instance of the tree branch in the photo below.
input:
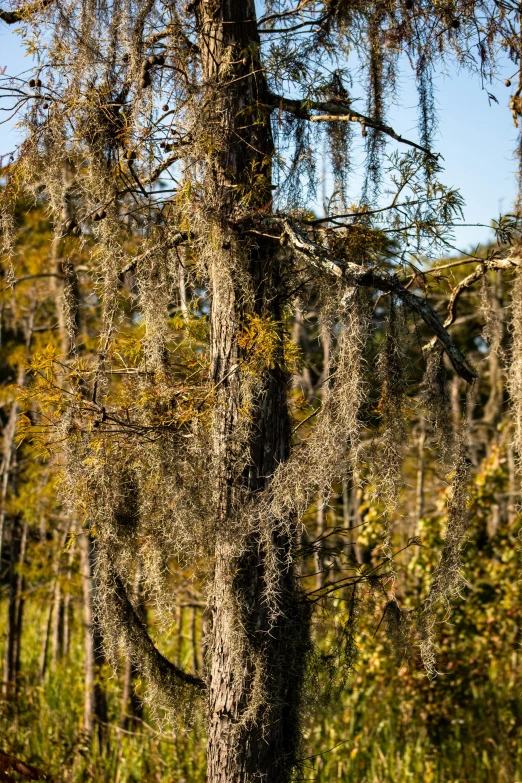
(508, 263)
(370, 277)
(12, 17)
(340, 112)
(147, 657)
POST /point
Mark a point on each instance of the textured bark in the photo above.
(57, 630)
(95, 705)
(67, 607)
(249, 738)
(131, 706)
(46, 636)
(15, 607)
(419, 499)
(20, 603)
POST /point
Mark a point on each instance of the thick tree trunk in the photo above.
(255, 676)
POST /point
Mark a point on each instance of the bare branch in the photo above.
(341, 112)
(512, 262)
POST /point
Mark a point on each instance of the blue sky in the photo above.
(476, 139)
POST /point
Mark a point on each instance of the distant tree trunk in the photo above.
(8, 451)
(195, 644)
(131, 705)
(493, 407)
(456, 407)
(67, 606)
(304, 380)
(319, 549)
(419, 495)
(57, 626)
(95, 705)
(15, 607)
(20, 589)
(47, 635)
(182, 288)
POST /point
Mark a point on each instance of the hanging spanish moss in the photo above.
(319, 461)
(392, 404)
(427, 112)
(447, 580)
(437, 400)
(397, 626)
(515, 370)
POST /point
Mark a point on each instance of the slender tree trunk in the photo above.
(15, 607)
(46, 636)
(195, 644)
(351, 513)
(456, 407)
(20, 599)
(254, 685)
(182, 288)
(419, 499)
(57, 627)
(9, 450)
(95, 705)
(67, 606)
(319, 548)
(10, 643)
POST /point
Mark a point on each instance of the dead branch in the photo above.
(340, 112)
(371, 277)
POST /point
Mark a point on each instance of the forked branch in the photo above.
(370, 277)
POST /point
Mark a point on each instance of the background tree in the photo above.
(176, 436)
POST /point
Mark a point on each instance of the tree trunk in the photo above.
(255, 678)
(57, 629)
(67, 607)
(419, 494)
(131, 705)
(15, 607)
(20, 601)
(46, 636)
(95, 705)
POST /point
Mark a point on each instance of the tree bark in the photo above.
(15, 607)
(46, 636)
(254, 685)
(95, 705)
(57, 629)
(20, 601)
(131, 705)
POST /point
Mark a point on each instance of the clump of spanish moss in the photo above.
(397, 626)
(492, 331)
(392, 403)
(319, 462)
(447, 581)
(437, 401)
(515, 370)
(427, 111)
